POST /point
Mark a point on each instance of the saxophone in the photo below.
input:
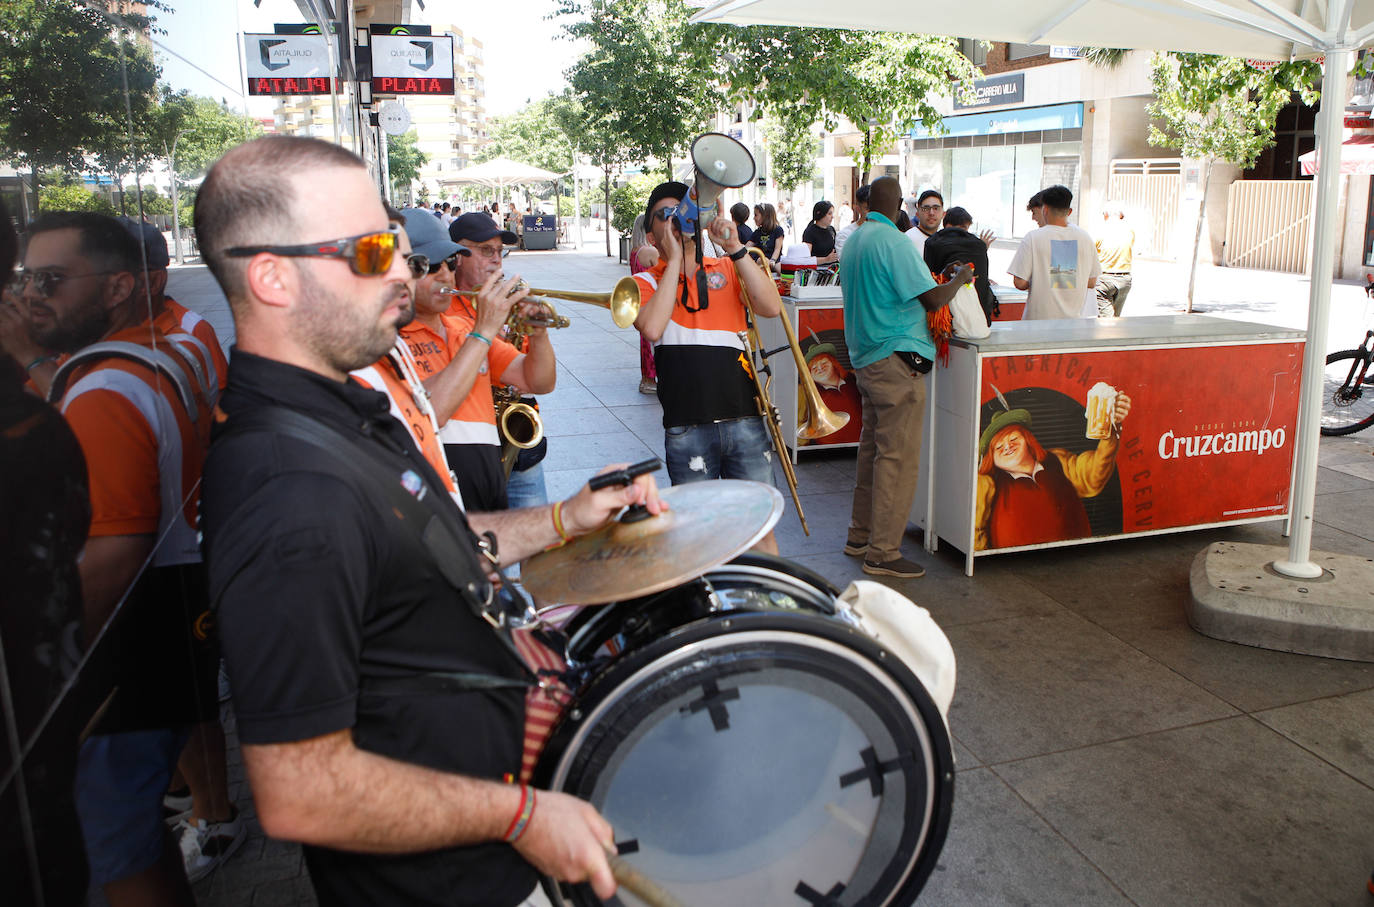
(517, 423)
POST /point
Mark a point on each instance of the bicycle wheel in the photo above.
(1347, 393)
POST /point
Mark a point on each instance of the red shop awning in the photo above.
(1357, 157)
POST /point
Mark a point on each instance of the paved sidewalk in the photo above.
(1107, 754)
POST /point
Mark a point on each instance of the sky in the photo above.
(524, 52)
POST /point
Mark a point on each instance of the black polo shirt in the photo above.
(323, 597)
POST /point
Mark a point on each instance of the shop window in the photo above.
(1025, 51)
(1294, 135)
(975, 50)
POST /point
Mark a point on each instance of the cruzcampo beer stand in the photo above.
(1012, 464)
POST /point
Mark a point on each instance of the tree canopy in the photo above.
(533, 135)
(404, 160)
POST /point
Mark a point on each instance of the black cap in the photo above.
(662, 191)
(477, 226)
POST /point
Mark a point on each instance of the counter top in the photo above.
(1136, 331)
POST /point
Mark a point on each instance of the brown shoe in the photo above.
(901, 567)
(855, 549)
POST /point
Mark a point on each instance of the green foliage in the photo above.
(565, 205)
(63, 72)
(627, 201)
(533, 136)
(647, 82)
(423, 196)
(194, 130)
(1223, 108)
(73, 197)
(1105, 57)
(885, 81)
(792, 152)
(404, 160)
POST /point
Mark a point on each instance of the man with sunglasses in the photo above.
(143, 422)
(460, 357)
(711, 421)
(352, 592)
(486, 242)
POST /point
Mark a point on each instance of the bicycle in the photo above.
(1348, 390)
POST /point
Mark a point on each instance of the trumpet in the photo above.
(821, 420)
(622, 301)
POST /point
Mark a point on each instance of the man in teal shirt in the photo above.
(887, 292)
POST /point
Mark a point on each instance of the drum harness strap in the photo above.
(425, 529)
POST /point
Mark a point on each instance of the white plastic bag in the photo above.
(909, 632)
(967, 314)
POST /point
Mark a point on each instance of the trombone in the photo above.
(821, 420)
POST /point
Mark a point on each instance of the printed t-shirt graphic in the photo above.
(702, 366)
(1058, 262)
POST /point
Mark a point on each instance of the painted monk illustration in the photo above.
(1029, 496)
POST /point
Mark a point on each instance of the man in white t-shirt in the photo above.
(930, 211)
(1056, 263)
(860, 215)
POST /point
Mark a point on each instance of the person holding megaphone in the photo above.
(694, 313)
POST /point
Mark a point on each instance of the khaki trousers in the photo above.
(889, 456)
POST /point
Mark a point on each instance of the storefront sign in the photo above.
(1024, 119)
(1063, 52)
(1009, 89)
(411, 64)
(820, 334)
(286, 64)
(1193, 445)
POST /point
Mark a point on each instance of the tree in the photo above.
(55, 111)
(884, 83)
(532, 135)
(404, 160)
(650, 78)
(189, 133)
(792, 152)
(72, 197)
(1222, 108)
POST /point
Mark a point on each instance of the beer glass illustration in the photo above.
(1101, 411)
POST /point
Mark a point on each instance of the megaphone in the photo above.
(721, 163)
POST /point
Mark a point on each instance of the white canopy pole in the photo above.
(1330, 120)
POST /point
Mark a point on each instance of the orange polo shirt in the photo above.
(474, 421)
(385, 377)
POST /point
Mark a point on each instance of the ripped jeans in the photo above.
(729, 449)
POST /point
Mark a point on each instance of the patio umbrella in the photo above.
(1262, 29)
(1356, 160)
(499, 173)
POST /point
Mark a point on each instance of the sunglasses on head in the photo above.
(45, 283)
(368, 255)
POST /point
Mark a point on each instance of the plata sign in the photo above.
(412, 64)
(286, 64)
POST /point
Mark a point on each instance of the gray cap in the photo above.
(150, 240)
(428, 236)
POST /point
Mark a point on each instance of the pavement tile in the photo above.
(1350, 512)
(963, 758)
(1338, 729)
(1000, 852)
(611, 377)
(1341, 478)
(568, 396)
(1034, 685)
(624, 395)
(560, 421)
(592, 451)
(1227, 812)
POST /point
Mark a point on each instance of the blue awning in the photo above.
(1021, 119)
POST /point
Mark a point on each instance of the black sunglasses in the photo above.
(451, 261)
(45, 283)
(369, 255)
(667, 213)
(418, 264)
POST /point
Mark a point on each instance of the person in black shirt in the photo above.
(820, 235)
(957, 245)
(739, 213)
(768, 233)
(349, 584)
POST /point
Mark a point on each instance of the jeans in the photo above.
(120, 780)
(730, 449)
(889, 456)
(525, 488)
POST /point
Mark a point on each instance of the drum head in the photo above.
(760, 759)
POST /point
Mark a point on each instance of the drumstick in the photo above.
(638, 884)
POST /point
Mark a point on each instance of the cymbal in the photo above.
(707, 525)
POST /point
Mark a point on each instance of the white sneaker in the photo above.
(204, 845)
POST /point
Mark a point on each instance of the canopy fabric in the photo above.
(1357, 157)
(499, 173)
(1256, 29)
(1264, 29)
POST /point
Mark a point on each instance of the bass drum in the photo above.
(751, 746)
